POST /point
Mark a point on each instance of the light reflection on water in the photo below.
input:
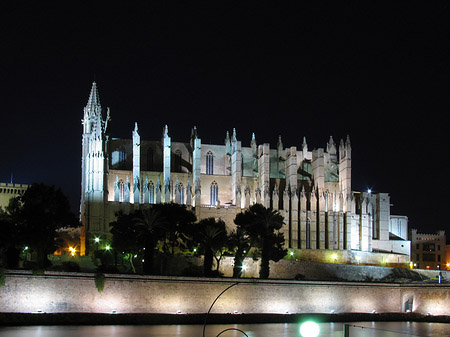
(359, 329)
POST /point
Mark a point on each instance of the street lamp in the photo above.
(309, 329)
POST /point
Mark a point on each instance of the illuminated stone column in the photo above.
(196, 159)
(236, 170)
(370, 221)
(166, 163)
(158, 191)
(189, 193)
(333, 233)
(136, 164)
(291, 168)
(198, 194)
(146, 192)
(303, 215)
(116, 189)
(275, 198)
(341, 228)
(258, 195)
(264, 173)
(286, 214)
(364, 224)
(177, 192)
(319, 179)
(127, 191)
(345, 170)
(294, 220)
(247, 196)
(321, 220)
(313, 219)
(383, 215)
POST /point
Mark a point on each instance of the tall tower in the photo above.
(93, 170)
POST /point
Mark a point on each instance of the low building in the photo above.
(428, 251)
(9, 191)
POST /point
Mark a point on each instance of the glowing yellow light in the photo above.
(411, 265)
(72, 251)
(334, 256)
(309, 329)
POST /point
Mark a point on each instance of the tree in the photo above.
(239, 243)
(262, 225)
(37, 215)
(9, 251)
(177, 231)
(167, 226)
(125, 237)
(211, 237)
(150, 224)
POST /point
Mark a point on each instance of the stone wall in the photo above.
(76, 292)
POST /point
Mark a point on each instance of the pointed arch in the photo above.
(209, 163)
(214, 194)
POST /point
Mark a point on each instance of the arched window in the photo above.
(209, 163)
(177, 161)
(151, 192)
(121, 186)
(214, 194)
(150, 159)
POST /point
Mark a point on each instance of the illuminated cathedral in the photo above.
(310, 188)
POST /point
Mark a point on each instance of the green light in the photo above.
(25, 248)
(97, 240)
(292, 253)
(107, 247)
(309, 329)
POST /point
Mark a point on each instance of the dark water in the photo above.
(359, 329)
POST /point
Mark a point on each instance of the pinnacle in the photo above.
(94, 98)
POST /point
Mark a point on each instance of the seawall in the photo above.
(56, 292)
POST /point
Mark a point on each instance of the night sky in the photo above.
(377, 72)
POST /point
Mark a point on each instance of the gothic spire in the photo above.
(280, 144)
(253, 142)
(234, 139)
(227, 138)
(94, 98)
(304, 145)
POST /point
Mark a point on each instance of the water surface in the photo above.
(359, 329)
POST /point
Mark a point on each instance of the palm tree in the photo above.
(150, 224)
(211, 236)
(262, 225)
(239, 243)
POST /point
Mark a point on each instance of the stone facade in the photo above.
(9, 191)
(428, 251)
(310, 188)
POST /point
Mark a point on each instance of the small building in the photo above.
(9, 191)
(428, 251)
